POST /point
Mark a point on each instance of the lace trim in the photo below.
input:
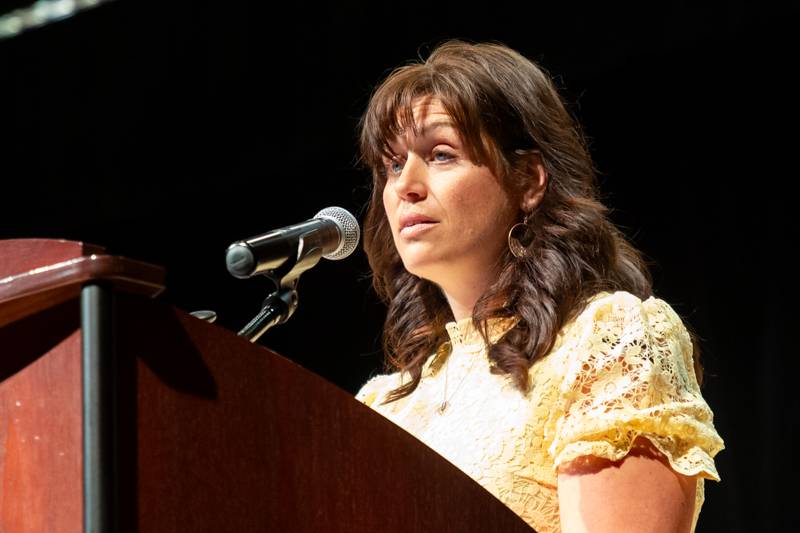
(464, 334)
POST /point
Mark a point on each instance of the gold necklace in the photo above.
(445, 400)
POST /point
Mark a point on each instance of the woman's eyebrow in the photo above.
(428, 127)
(424, 130)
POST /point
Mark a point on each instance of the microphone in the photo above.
(333, 233)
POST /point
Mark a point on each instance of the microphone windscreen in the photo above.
(348, 227)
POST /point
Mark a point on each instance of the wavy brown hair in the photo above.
(504, 107)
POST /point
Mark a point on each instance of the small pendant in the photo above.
(442, 408)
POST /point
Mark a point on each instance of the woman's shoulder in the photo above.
(620, 316)
(621, 300)
(622, 307)
(377, 387)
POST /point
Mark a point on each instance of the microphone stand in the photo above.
(276, 309)
(281, 304)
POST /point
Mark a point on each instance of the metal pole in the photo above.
(98, 408)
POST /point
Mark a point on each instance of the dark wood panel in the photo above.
(40, 423)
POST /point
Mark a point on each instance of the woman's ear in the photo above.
(533, 195)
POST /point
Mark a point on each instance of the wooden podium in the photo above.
(121, 413)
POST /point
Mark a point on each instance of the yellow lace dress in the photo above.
(621, 369)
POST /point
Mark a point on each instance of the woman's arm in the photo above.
(640, 493)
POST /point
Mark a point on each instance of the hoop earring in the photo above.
(520, 236)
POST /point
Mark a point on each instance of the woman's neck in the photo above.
(463, 297)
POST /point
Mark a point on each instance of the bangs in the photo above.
(391, 113)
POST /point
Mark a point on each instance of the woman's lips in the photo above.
(413, 225)
(416, 229)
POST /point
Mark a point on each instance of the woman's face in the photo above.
(449, 217)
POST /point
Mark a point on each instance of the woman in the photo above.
(526, 345)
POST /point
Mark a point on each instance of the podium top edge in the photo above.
(22, 255)
(39, 266)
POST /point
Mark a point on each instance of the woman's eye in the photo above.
(395, 167)
(442, 156)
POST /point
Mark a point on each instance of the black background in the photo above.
(166, 130)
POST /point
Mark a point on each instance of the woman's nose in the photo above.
(411, 184)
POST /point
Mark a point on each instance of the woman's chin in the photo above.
(420, 267)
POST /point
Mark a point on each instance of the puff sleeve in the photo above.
(628, 374)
